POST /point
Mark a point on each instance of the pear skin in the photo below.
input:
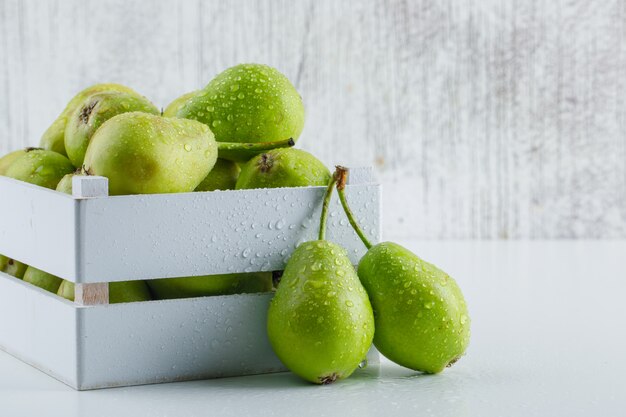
(172, 109)
(12, 267)
(40, 167)
(53, 139)
(7, 160)
(422, 321)
(285, 167)
(65, 185)
(210, 285)
(42, 279)
(248, 103)
(92, 113)
(66, 290)
(320, 322)
(141, 153)
(223, 176)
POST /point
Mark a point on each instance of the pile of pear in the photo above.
(235, 133)
(238, 133)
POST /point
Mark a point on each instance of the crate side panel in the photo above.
(38, 328)
(37, 227)
(174, 340)
(174, 235)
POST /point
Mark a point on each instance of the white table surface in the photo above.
(548, 339)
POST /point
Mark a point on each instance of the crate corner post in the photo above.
(84, 187)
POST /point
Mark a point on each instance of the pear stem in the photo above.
(325, 204)
(259, 146)
(341, 174)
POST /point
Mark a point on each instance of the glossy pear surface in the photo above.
(40, 167)
(248, 103)
(285, 167)
(142, 153)
(172, 109)
(53, 139)
(422, 320)
(92, 113)
(320, 321)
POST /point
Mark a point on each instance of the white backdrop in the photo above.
(484, 119)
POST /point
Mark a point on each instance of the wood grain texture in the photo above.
(92, 294)
(486, 119)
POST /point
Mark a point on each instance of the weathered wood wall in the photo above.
(485, 119)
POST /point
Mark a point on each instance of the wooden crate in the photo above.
(92, 239)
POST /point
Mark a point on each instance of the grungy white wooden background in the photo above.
(484, 118)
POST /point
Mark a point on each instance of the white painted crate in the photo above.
(120, 238)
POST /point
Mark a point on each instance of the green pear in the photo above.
(223, 176)
(119, 292)
(422, 321)
(209, 285)
(40, 167)
(141, 153)
(7, 160)
(172, 109)
(248, 103)
(92, 113)
(42, 279)
(66, 290)
(53, 138)
(65, 185)
(283, 168)
(320, 322)
(12, 267)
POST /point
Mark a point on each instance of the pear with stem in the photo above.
(320, 322)
(422, 321)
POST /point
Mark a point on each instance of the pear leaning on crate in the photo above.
(142, 153)
(422, 321)
(320, 322)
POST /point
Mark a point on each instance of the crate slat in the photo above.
(38, 227)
